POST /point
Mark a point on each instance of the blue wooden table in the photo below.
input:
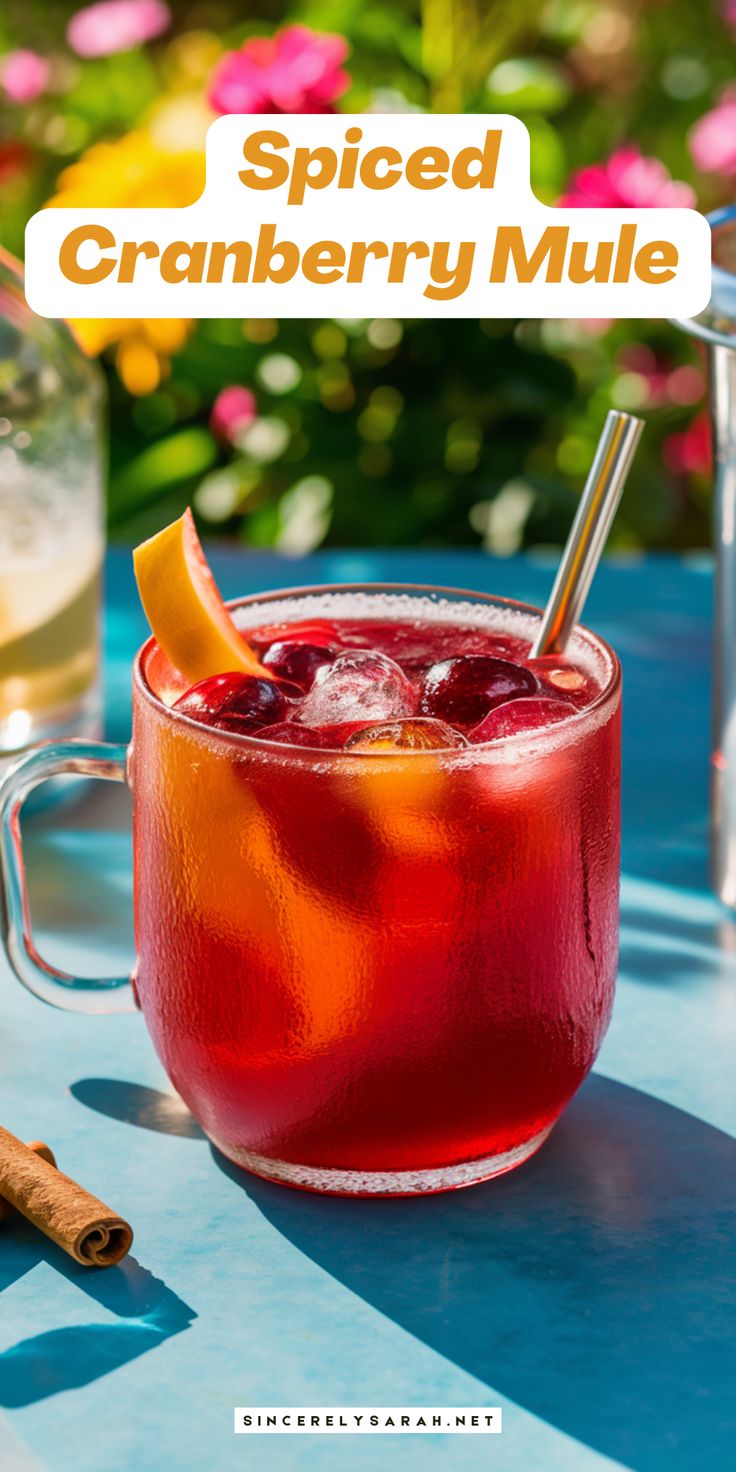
(589, 1294)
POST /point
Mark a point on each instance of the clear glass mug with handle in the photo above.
(380, 974)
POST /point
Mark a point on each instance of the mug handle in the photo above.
(72, 993)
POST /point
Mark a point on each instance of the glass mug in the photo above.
(363, 973)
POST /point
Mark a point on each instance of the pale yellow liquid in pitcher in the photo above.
(48, 634)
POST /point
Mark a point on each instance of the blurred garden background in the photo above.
(292, 434)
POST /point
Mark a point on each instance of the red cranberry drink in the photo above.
(377, 884)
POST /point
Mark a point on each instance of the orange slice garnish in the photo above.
(184, 608)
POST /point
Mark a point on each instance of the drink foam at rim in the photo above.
(583, 648)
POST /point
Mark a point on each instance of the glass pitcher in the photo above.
(51, 525)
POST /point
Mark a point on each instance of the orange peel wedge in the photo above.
(183, 606)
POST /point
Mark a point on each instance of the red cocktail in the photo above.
(377, 906)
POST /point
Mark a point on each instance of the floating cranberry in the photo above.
(534, 713)
(297, 662)
(462, 690)
(235, 702)
(211, 696)
(413, 735)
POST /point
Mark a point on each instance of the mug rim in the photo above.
(261, 744)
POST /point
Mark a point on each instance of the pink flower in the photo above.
(116, 25)
(296, 71)
(713, 139)
(25, 75)
(690, 453)
(627, 181)
(662, 382)
(234, 409)
(639, 359)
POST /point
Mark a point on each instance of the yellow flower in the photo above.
(133, 171)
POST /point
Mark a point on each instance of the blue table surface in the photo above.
(590, 1294)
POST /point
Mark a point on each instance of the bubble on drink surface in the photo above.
(360, 686)
(533, 713)
(565, 679)
(416, 734)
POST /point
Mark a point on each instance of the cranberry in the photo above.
(297, 662)
(235, 702)
(412, 735)
(534, 713)
(462, 690)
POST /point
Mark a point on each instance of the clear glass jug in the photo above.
(51, 525)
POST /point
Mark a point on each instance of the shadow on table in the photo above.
(675, 935)
(150, 1109)
(147, 1313)
(594, 1286)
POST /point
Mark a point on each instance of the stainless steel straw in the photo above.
(598, 503)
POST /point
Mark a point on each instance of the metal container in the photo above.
(716, 327)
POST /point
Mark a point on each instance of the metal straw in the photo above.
(598, 503)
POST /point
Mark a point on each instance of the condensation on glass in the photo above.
(51, 528)
(371, 974)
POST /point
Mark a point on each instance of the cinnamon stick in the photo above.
(76, 1221)
(46, 1153)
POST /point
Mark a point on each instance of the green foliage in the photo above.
(421, 432)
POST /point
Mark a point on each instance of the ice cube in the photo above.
(361, 685)
(534, 713)
(418, 734)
